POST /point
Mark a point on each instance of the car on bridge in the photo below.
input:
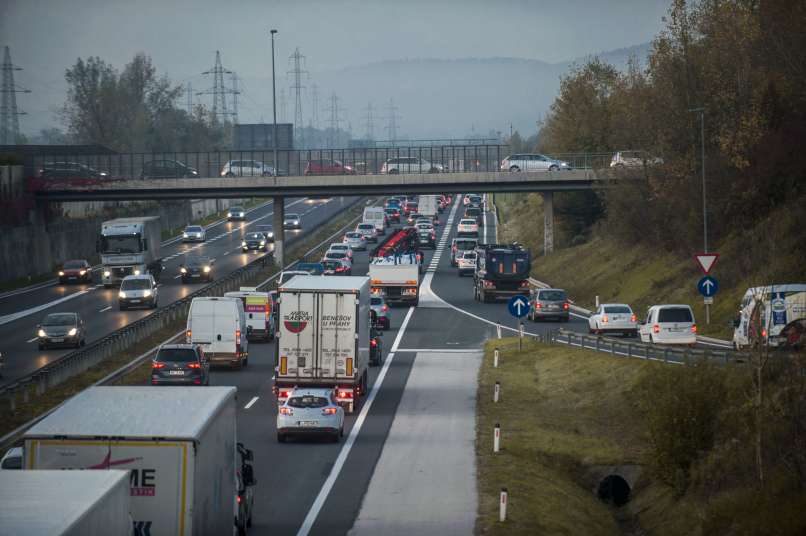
(167, 169)
(410, 164)
(309, 412)
(194, 233)
(633, 159)
(613, 318)
(533, 162)
(180, 364)
(328, 166)
(70, 170)
(76, 270)
(61, 329)
(247, 168)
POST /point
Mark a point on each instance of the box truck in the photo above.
(257, 308)
(324, 336)
(177, 443)
(396, 278)
(129, 246)
(65, 503)
(428, 206)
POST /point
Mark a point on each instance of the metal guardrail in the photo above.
(78, 361)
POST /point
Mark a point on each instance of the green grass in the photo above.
(563, 413)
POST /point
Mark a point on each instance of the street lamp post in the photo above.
(274, 104)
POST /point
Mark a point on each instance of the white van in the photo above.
(218, 325)
(257, 307)
(377, 217)
(669, 324)
(773, 315)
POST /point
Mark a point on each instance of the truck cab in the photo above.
(129, 246)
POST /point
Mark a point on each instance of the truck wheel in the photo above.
(280, 437)
(241, 529)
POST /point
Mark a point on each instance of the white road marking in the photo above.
(251, 403)
(177, 276)
(21, 314)
(105, 309)
(32, 340)
(316, 507)
(438, 350)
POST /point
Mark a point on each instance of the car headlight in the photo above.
(107, 273)
(262, 242)
(146, 293)
(137, 272)
(184, 235)
(229, 214)
(183, 270)
(121, 294)
(72, 332)
(82, 272)
(243, 244)
(206, 269)
(271, 235)
(61, 273)
(41, 333)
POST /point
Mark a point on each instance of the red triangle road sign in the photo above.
(706, 261)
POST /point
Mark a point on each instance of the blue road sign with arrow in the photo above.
(708, 286)
(519, 306)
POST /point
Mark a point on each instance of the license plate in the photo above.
(71, 277)
(308, 424)
(553, 308)
(195, 275)
(176, 372)
(134, 301)
(57, 339)
(675, 330)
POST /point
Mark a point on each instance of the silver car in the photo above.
(368, 231)
(236, 213)
(310, 412)
(356, 241)
(549, 303)
(194, 233)
(292, 221)
(466, 263)
(379, 306)
(533, 162)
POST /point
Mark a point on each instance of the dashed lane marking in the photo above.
(251, 403)
(105, 309)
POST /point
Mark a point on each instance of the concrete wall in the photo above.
(40, 247)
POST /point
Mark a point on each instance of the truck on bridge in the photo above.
(129, 246)
(502, 271)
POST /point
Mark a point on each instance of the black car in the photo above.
(61, 329)
(167, 169)
(197, 268)
(392, 214)
(254, 242)
(180, 364)
(69, 170)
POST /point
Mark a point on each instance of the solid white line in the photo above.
(177, 276)
(316, 507)
(21, 314)
(105, 309)
(439, 350)
(251, 403)
(32, 340)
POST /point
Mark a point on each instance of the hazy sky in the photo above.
(46, 36)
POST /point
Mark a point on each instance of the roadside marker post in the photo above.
(497, 438)
(498, 330)
(495, 358)
(502, 505)
(520, 336)
(496, 392)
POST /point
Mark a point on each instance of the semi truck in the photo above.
(129, 246)
(178, 445)
(65, 503)
(502, 271)
(396, 278)
(324, 337)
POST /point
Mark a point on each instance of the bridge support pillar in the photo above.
(548, 223)
(279, 232)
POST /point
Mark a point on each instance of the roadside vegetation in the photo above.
(699, 455)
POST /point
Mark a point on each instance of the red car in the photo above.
(327, 166)
(78, 271)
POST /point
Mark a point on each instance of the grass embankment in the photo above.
(570, 417)
(642, 276)
(38, 405)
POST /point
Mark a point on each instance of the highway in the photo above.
(22, 310)
(316, 487)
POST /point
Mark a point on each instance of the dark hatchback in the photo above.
(180, 364)
(196, 268)
(254, 242)
(167, 169)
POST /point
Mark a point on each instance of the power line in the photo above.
(370, 122)
(391, 121)
(219, 91)
(315, 106)
(235, 93)
(9, 114)
(335, 111)
(296, 84)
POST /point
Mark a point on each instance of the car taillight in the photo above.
(373, 343)
(694, 328)
(157, 365)
(329, 411)
(524, 284)
(604, 319)
(344, 393)
(188, 333)
(238, 498)
(538, 305)
(194, 365)
(385, 308)
(286, 411)
(238, 335)
(565, 306)
(633, 318)
(656, 329)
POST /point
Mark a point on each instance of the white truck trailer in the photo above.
(397, 278)
(377, 217)
(177, 443)
(428, 205)
(324, 336)
(65, 503)
(129, 246)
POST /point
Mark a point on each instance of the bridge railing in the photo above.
(358, 160)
